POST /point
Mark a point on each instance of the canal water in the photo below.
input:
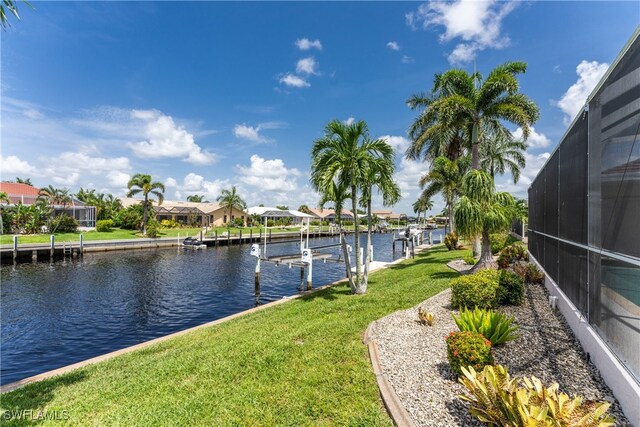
(53, 315)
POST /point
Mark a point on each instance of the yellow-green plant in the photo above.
(496, 327)
(497, 399)
(425, 317)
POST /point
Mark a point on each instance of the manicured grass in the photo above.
(299, 363)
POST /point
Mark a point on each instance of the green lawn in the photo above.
(299, 363)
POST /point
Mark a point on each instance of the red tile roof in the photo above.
(13, 189)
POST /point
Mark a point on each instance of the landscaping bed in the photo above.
(414, 358)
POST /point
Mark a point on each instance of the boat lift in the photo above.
(302, 259)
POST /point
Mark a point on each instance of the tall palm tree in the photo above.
(142, 183)
(482, 211)
(445, 177)
(380, 175)
(230, 200)
(502, 152)
(344, 155)
(23, 181)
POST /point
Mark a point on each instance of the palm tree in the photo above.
(336, 193)
(231, 200)
(503, 152)
(423, 204)
(12, 7)
(482, 211)
(23, 181)
(466, 103)
(344, 155)
(445, 177)
(304, 209)
(195, 198)
(142, 183)
(380, 174)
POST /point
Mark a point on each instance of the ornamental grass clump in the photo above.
(496, 327)
(466, 349)
(476, 290)
(499, 400)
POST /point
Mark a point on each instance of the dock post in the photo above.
(430, 238)
(310, 276)
(215, 233)
(228, 237)
(201, 235)
(53, 246)
(371, 253)
(81, 244)
(257, 281)
(269, 235)
(15, 248)
(301, 277)
(240, 237)
(250, 235)
(34, 256)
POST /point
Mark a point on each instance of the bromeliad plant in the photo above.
(499, 400)
(496, 327)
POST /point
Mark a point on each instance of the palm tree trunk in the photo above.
(451, 220)
(356, 245)
(486, 258)
(368, 251)
(475, 164)
(144, 214)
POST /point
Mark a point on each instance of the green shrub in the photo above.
(152, 228)
(238, 222)
(347, 223)
(499, 400)
(270, 223)
(494, 326)
(104, 225)
(470, 260)
(475, 290)
(169, 223)
(529, 273)
(510, 289)
(129, 218)
(511, 254)
(466, 349)
(314, 223)
(62, 224)
(451, 241)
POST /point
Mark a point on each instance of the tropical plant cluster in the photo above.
(451, 241)
(468, 348)
(494, 326)
(500, 240)
(497, 399)
(512, 254)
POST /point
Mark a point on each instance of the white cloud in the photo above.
(12, 165)
(33, 114)
(349, 121)
(534, 163)
(393, 45)
(399, 143)
(408, 175)
(589, 74)
(165, 139)
(307, 66)
(268, 175)
(294, 81)
(117, 179)
(535, 140)
(407, 60)
(170, 183)
(476, 23)
(251, 133)
(196, 184)
(306, 44)
(67, 180)
(78, 161)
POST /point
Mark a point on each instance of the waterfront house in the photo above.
(203, 214)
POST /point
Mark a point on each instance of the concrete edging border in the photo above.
(392, 403)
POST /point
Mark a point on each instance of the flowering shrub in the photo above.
(466, 349)
(511, 254)
(529, 273)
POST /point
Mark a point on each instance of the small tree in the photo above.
(481, 211)
(230, 200)
(142, 183)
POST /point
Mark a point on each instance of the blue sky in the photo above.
(205, 95)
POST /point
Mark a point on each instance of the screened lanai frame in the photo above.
(584, 210)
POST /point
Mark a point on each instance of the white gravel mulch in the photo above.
(414, 358)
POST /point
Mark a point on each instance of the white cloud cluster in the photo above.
(406, 59)
(196, 184)
(535, 140)
(393, 45)
(477, 23)
(589, 74)
(307, 66)
(268, 175)
(293, 81)
(351, 120)
(12, 165)
(398, 143)
(533, 166)
(164, 139)
(248, 132)
(306, 44)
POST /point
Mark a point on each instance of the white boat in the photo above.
(191, 243)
